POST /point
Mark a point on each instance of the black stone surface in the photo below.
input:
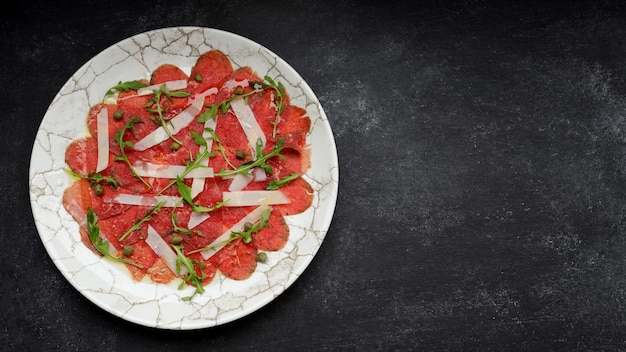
(481, 203)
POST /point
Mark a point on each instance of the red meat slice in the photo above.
(300, 193)
(160, 272)
(275, 236)
(213, 68)
(81, 155)
(236, 260)
(77, 199)
(294, 126)
(114, 125)
(165, 73)
(143, 255)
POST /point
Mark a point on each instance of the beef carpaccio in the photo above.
(183, 175)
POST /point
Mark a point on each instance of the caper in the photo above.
(239, 90)
(240, 154)
(198, 77)
(98, 189)
(128, 250)
(261, 257)
(174, 146)
(176, 239)
(117, 114)
(247, 226)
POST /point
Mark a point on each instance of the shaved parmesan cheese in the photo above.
(135, 199)
(169, 86)
(251, 217)
(232, 83)
(197, 185)
(206, 93)
(259, 174)
(163, 250)
(248, 122)
(102, 121)
(147, 169)
(248, 198)
(239, 182)
(196, 219)
(177, 123)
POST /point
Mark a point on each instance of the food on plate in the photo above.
(184, 175)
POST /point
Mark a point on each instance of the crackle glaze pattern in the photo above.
(107, 284)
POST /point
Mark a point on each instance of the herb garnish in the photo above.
(157, 107)
(95, 180)
(219, 146)
(211, 112)
(126, 87)
(276, 184)
(245, 235)
(179, 229)
(190, 165)
(146, 218)
(185, 192)
(119, 139)
(279, 100)
(191, 276)
(260, 160)
(93, 229)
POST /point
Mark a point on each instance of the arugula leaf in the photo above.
(279, 99)
(222, 106)
(183, 230)
(157, 107)
(245, 235)
(126, 86)
(198, 139)
(147, 217)
(260, 161)
(219, 146)
(276, 184)
(191, 276)
(95, 179)
(191, 165)
(185, 192)
(93, 230)
(119, 139)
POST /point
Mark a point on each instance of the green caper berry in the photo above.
(98, 189)
(174, 146)
(240, 154)
(247, 226)
(239, 90)
(176, 239)
(128, 250)
(198, 77)
(261, 257)
(117, 114)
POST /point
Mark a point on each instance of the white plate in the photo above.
(109, 285)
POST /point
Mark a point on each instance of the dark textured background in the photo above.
(481, 203)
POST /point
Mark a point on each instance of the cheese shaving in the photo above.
(163, 250)
(147, 169)
(169, 86)
(135, 199)
(251, 217)
(177, 123)
(250, 198)
(102, 121)
(248, 122)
